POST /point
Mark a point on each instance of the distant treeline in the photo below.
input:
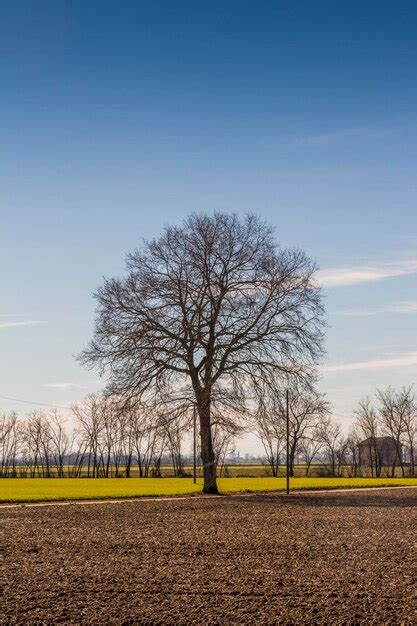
(109, 442)
(105, 442)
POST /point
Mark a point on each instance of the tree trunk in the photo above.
(412, 466)
(128, 465)
(207, 453)
(292, 460)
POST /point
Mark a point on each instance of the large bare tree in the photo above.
(212, 303)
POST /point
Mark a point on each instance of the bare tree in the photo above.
(123, 443)
(270, 429)
(174, 430)
(352, 451)
(368, 425)
(396, 410)
(334, 445)
(225, 429)
(410, 428)
(89, 419)
(37, 435)
(60, 443)
(310, 449)
(307, 409)
(10, 442)
(148, 440)
(214, 302)
(109, 434)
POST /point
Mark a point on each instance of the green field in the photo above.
(47, 489)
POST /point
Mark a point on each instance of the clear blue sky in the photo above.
(118, 117)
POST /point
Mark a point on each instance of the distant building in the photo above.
(379, 452)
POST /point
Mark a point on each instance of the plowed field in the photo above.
(346, 557)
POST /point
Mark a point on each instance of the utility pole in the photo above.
(194, 444)
(287, 473)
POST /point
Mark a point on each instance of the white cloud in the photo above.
(402, 360)
(19, 324)
(396, 308)
(64, 386)
(343, 135)
(356, 275)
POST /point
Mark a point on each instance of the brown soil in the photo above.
(345, 558)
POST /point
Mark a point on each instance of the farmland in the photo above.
(47, 489)
(344, 557)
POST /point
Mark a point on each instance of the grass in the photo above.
(48, 489)
(167, 471)
(241, 470)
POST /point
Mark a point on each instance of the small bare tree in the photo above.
(368, 425)
(352, 452)
(37, 437)
(270, 429)
(212, 303)
(89, 420)
(334, 445)
(310, 449)
(60, 443)
(307, 410)
(148, 439)
(396, 411)
(174, 430)
(410, 428)
(225, 428)
(10, 442)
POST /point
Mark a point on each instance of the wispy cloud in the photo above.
(64, 386)
(67, 386)
(396, 308)
(356, 275)
(14, 324)
(352, 134)
(402, 360)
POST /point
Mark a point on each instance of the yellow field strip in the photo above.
(241, 494)
(63, 489)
